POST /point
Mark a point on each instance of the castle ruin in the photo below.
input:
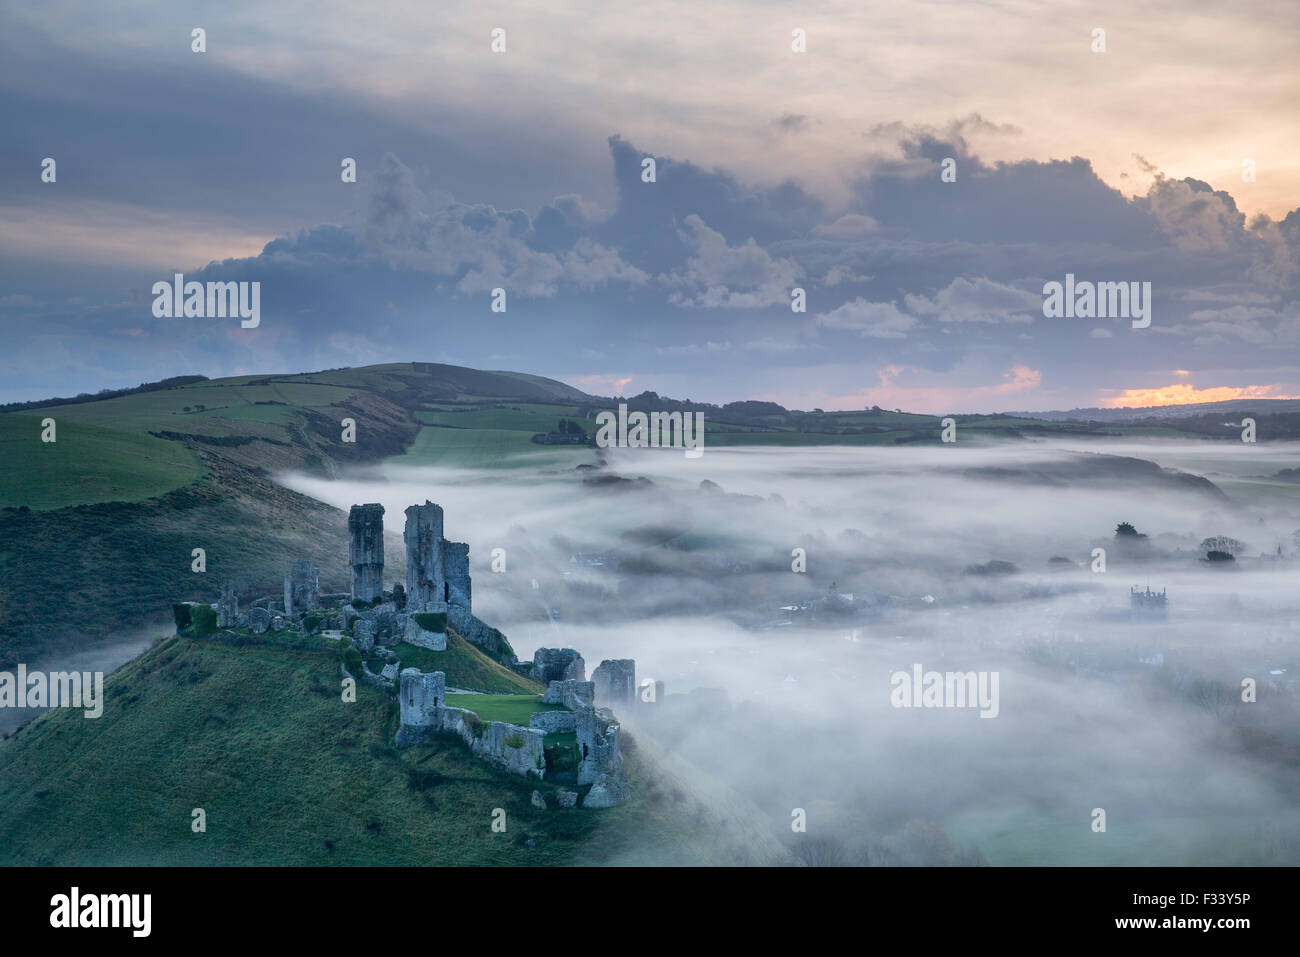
(437, 571)
(436, 603)
(366, 551)
(1148, 605)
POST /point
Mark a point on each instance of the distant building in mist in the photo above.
(1147, 605)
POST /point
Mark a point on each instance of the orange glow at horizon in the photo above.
(1183, 393)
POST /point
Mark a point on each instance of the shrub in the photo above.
(311, 623)
(432, 622)
(515, 741)
(204, 618)
(181, 612)
(560, 759)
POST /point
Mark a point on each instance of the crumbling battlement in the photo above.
(558, 664)
(510, 747)
(602, 764)
(554, 722)
(572, 694)
(615, 682)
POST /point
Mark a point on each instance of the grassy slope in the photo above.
(138, 446)
(466, 667)
(288, 773)
(88, 462)
(488, 448)
(76, 574)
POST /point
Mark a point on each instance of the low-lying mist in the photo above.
(956, 558)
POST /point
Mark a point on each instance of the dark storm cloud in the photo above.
(681, 279)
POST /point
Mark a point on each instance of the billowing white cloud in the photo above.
(877, 320)
(978, 300)
(721, 276)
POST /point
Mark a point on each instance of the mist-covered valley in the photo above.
(778, 594)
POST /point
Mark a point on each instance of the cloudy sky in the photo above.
(775, 169)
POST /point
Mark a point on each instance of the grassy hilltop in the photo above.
(258, 736)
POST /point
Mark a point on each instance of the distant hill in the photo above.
(96, 528)
(1139, 413)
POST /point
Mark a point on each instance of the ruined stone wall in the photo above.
(455, 565)
(554, 722)
(509, 747)
(415, 635)
(366, 551)
(513, 748)
(602, 763)
(572, 694)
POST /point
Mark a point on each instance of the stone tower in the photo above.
(615, 681)
(426, 582)
(228, 606)
(421, 694)
(301, 588)
(366, 551)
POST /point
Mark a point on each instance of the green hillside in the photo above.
(88, 462)
(288, 773)
(97, 528)
(466, 667)
(69, 576)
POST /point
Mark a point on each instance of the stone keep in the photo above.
(425, 581)
(301, 589)
(366, 551)
(437, 571)
(228, 606)
(615, 681)
(421, 694)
